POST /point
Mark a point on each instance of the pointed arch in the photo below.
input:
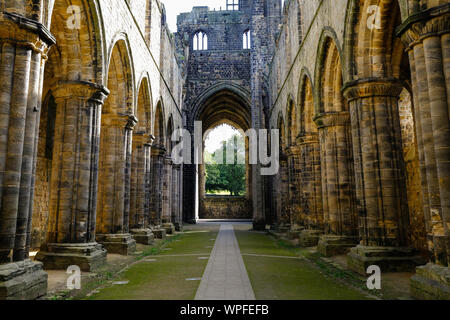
(328, 75)
(120, 79)
(306, 104)
(159, 124)
(77, 28)
(292, 125)
(144, 107)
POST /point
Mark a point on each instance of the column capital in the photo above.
(372, 87)
(89, 91)
(126, 121)
(20, 30)
(293, 150)
(427, 23)
(158, 150)
(307, 138)
(332, 119)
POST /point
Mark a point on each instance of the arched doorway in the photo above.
(221, 104)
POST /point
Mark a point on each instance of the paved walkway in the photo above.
(225, 276)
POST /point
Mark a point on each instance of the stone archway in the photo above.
(140, 224)
(333, 121)
(223, 103)
(310, 203)
(375, 81)
(71, 186)
(117, 124)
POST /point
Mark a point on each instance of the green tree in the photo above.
(227, 177)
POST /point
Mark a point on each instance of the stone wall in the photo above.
(225, 207)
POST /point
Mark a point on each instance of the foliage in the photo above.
(226, 177)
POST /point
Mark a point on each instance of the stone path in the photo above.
(225, 276)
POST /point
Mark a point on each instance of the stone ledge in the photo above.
(309, 238)
(389, 259)
(431, 282)
(123, 244)
(24, 280)
(332, 245)
(143, 236)
(88, 256)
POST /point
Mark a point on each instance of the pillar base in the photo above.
(259, 226)
(431, 282)
(123, 244)
(389, 259)
(309, 238)
(159, 233)
(143, 236)
(293, 234)
(332, 245)
(25, 280)
(178, 227)
(169, 227)
(87, 256)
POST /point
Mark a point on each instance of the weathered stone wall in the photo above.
(225, 207)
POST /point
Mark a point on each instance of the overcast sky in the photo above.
(175, 7)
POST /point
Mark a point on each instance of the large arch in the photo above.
(117, 125)
(309, 207)
(140, 224)
(221, 103)
(67, 183)
(158, 158)
(378, 73)
(333, 121)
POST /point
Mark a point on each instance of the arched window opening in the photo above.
(200, 41)
(247, 41)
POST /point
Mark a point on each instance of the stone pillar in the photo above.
(23, 47)
(168, 203)
(156, 204)
(310, 193)
(293, 160)
(340, 217)
(177, 219)
(72, 217)
(282, 195)
(140, 226)
(427, 36)
(113, 219)
(380, 177)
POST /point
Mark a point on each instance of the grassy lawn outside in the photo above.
(275, 278)
(165, 278)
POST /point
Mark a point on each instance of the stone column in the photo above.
(340, 217)
(282, 195)
(23, 47)
(380, 177)
(310, 193)
(293, 199)
(72, 217)
(140, 176)
(427, 36)
(167, 197)
(113, 219)
(177, 219)
(156, 204)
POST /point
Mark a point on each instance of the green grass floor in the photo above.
(165, 278)
(276, 278)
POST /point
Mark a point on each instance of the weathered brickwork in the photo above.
(377, 79)
(218, 207)
(89, 102)
(81, 92)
